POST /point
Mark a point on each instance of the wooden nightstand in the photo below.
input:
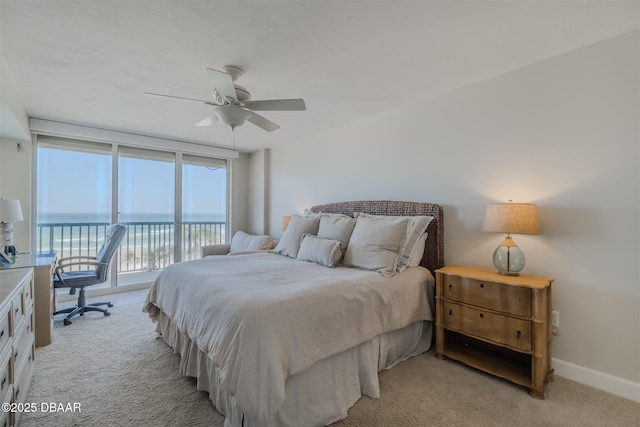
(498, 324)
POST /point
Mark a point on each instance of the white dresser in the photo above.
(17, 340)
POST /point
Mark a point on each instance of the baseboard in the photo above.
(600, 380)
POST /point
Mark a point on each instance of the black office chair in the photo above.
(83, 278)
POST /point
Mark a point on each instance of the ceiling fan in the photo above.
(233, 104)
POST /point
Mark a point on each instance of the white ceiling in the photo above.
(89, 62)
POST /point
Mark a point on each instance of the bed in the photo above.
(282, 340)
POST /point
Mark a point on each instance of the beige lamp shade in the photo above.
(511, 218)
(285, 222)
(10, 211)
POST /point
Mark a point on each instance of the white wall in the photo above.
(562, 133)
(258, 192)
(15, 183)
(239, 196)
(14, 122)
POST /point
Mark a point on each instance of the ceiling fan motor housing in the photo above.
(242, 94)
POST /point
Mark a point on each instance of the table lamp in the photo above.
(510, 218)
(285, 222)
(10, 212)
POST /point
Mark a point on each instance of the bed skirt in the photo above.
(318, 396)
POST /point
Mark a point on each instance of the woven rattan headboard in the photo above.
(433, 257)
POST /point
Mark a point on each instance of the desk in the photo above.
(44, 301)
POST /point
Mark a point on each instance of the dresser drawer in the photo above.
(5, 417)
(21, 348)
(5, 377)
(500, 329)
(27, 296)
(5, 328)
(17, 312)
(24, 372)
(494, 296)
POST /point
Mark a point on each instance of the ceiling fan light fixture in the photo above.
(231, 115)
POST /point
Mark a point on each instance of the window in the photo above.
(163, 197)
(204, 203)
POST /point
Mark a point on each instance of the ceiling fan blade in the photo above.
(262, 122)
(180, 98)
(208, 121)
(223, 83)
(277, 105)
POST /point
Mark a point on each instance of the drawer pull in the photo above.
(450, 312)
(518, 334)
(1, 334)
(482, 285)
(4, 383)
(481, 316)
(17, 392)
(15, 356)
(17, 310)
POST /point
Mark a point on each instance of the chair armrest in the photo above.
(61, 267)
(65, 259)
(214, 250)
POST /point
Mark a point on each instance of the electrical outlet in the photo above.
(555, 319)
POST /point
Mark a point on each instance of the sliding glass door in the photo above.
(204, 203)
(73, 197)
(146, 200)
(171, 202)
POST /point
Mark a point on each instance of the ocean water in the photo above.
(84, 218)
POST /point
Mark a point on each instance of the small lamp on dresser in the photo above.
(10, 212)
(510, 218)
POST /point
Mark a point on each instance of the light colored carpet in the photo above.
(122, 376)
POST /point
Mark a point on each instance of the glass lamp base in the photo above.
(509, 260)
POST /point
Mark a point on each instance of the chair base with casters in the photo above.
(66, 277)
(83, 307)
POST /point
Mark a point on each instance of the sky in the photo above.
(74, 182)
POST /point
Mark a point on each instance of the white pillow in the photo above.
(375, 243)
(325, 252)
(337, 227)
(416, 227)
(418, 251)
(242, 242)
(290, 241)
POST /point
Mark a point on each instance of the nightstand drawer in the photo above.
(494, 296)
(505, 330)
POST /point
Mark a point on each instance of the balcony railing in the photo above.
(146, 246)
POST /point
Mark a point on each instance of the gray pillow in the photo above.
(375, 243)
(289, 243)
(337, 227)
(327, 252)
(242, 242)
(418, 251)
(416, 227)
(415, 231)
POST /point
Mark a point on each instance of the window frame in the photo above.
(177, 150)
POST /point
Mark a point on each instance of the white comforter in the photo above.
(263, 318)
